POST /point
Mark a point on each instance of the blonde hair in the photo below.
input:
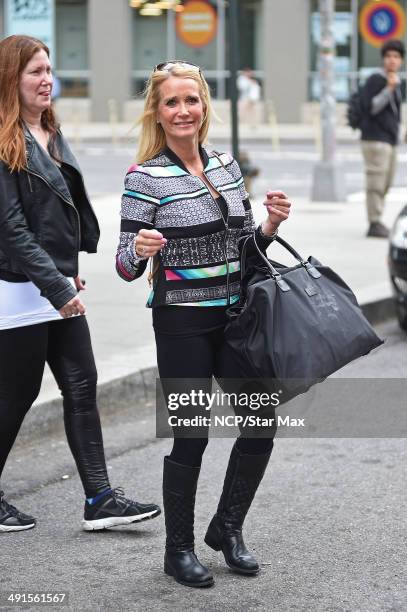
(152, 136)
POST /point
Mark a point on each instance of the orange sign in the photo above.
(197, 24)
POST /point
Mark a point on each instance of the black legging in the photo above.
(201, 356)
(66, 346)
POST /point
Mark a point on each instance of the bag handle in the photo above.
(273, 272)
(289, 248)
(312, 271)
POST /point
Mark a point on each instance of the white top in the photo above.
(249, 88)
(21, 304)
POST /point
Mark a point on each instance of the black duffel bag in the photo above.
(294, 325)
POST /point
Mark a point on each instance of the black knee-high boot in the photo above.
(243, 476)
(179, 489)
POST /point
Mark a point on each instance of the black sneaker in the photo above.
(114, 509)
(377, 230)
(12, 519)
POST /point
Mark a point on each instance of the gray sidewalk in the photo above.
(121, 325)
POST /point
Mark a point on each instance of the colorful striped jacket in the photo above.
(199, 266)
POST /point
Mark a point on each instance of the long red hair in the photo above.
(15, 53)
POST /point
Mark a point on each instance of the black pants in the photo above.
(200, 357)
(66, 346)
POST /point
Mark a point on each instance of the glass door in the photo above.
(342, 27)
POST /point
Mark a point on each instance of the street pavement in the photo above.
(327, 525)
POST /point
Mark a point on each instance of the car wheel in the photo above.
(402, 317)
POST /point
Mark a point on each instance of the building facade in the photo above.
(103, 50)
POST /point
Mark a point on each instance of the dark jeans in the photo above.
(200, 357)
(66, 346)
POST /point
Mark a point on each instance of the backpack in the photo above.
(354, 110)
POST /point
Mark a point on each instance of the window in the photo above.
(250, 38)
(71, 57)
(155, 39)
(342, 30)
(355, 57)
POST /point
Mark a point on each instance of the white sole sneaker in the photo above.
(115, 521)
(4, 528)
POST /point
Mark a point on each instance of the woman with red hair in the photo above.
(45, 220)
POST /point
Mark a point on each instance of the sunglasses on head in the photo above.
(167, 66)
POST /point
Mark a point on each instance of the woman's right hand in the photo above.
(73, 307)
(148, 243)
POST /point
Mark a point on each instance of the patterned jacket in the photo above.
(199, 265)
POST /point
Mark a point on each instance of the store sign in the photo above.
(380, 21)
(31, 17)
(197, 24)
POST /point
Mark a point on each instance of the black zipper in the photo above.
(62, 198)
(177, 161)
(226, 242)
(29, 183)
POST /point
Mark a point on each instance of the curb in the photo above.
(379, 310)
(115, 396)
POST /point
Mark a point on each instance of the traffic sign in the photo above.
(197, 24)
(380, 21)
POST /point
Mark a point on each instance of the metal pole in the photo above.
(220, 50)
(328, 182)
(327, 58)
(171, 34)
(354, 45)
(234, 66)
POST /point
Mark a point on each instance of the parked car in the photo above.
(398, 266)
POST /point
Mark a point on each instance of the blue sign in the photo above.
(382, 22)
(31, 17)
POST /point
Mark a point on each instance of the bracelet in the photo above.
(266, 236)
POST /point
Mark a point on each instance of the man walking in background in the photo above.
(381, 102)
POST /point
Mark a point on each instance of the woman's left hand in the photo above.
(278, 208)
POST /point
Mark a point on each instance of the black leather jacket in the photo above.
(41, 229)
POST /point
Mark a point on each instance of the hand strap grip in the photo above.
(312, 271)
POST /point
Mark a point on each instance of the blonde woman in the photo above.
(186, 207)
